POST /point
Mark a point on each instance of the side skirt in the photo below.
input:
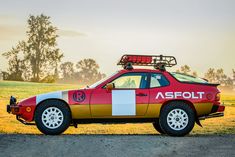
(114, 121)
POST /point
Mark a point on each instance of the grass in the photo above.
(228, 98)
(8, 123)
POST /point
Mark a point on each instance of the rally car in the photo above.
(173, 102)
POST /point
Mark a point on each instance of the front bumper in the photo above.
(23, 109)
(14, 109)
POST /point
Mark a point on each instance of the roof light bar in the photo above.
(157, 61)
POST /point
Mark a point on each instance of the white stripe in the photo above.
(123, 103)
(41, 97)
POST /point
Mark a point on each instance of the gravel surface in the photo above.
(116, 145)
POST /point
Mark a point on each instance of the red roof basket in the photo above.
(157, 61)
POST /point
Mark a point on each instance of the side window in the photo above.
(131, 80)
(158, 80)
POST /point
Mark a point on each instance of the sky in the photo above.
(199, 33)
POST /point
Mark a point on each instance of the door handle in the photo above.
(141, 94)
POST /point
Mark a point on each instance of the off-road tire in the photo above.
(157, 127)
(167, 126)
(60, 107)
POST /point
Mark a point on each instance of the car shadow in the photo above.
(97, 135)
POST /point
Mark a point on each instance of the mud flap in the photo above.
(198, 122)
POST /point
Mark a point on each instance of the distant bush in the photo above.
(48, 79)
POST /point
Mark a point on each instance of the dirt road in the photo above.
(116, 145)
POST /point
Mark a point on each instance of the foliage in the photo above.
(41, 49)
(233, 74)
(16, 64)
(194, 74)
(185, 69)
(67, 70)
(212, 75)
(218, 76)
(37, 57)
(85, 71)
(88, 71)
(48, 79)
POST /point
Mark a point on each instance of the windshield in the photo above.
(102, 80)
(187, 78)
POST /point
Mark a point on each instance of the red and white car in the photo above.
(173, 102)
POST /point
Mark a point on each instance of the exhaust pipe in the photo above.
(213, 115)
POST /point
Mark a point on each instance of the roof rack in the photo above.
(157, 61)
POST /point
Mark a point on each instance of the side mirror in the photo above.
(110, 86)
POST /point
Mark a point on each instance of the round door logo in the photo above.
(79, 96)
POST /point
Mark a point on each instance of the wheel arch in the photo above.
(186, 102)
(180, 100)
(40, 103)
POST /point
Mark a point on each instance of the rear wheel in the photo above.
(52, 117)
(157, 127)
(177, 118)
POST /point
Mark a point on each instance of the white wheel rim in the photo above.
(52, 117)
(177, 119)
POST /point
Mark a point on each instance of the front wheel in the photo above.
(177, 118)
(52, 117)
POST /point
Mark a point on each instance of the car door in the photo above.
(129, 97)
(158, 84)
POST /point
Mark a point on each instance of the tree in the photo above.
(194, 74)
(88, 71)
(41, 47)
(233, 74)
(5, 75)
(220, 76)
(233, 78)
(67, 69)
(40, 56)
(185, 69)
(1, 75)
(210, 75)
(228, 82)
(16, 65)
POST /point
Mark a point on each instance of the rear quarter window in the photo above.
(187, 78)
(158, 80)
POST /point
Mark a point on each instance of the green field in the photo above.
(8, 123)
